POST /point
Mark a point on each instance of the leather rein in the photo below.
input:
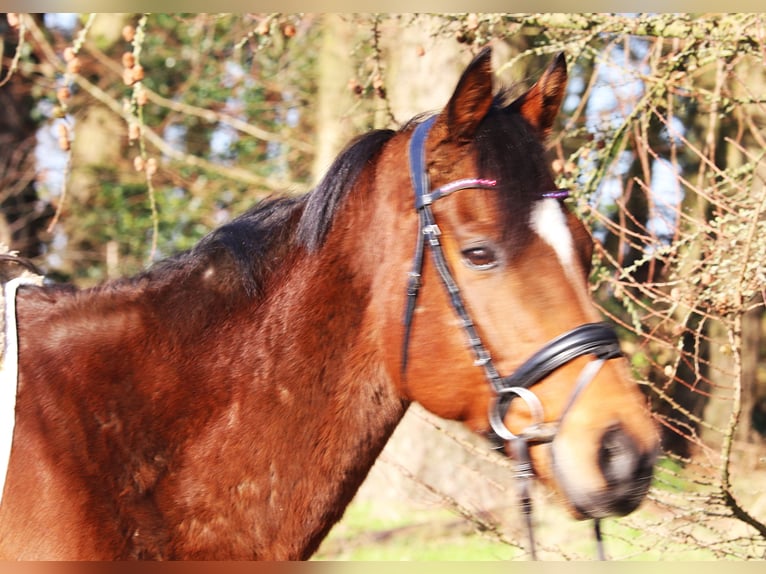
(595, 339)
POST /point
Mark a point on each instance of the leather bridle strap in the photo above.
(536, 433)
(595, 339)
(428, 230)
(598, 339)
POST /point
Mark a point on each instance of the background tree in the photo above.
(21, 218)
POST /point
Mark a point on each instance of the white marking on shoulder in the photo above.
(9, 372)
(549, 222)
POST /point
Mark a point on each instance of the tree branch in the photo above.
(235, 173)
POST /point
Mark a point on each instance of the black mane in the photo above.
(257, 240)
(324, 201)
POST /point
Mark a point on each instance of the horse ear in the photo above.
(471, 100)
(540, 105)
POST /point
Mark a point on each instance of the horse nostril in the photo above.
(619, 458)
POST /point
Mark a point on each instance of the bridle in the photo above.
(596, 339)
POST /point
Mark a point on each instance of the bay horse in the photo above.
(228, 402)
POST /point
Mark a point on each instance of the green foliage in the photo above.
(201, 73)
(120, 214)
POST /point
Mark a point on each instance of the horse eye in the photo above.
(480, 257)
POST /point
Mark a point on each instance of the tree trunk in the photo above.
(334, 124)
(22, 220)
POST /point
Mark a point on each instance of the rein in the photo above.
(596, 339)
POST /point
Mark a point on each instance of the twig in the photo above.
(238, 174)
(735, 340)
(482, 524)
(17, 54)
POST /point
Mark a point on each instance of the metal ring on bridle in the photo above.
(535, 408)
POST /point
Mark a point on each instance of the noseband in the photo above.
(596, 339)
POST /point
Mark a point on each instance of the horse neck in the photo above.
(234, 413)
(333, 406)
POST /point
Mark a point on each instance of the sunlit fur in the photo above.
(228, 402)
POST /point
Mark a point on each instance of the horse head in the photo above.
(500, 330)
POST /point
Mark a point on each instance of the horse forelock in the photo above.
(509, 151)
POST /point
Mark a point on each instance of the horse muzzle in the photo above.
(620, 483)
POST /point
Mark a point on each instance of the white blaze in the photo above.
(550, 223)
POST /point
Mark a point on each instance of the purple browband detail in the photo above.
(470, 182)
(557, 194)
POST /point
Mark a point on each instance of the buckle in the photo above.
(413, 283)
